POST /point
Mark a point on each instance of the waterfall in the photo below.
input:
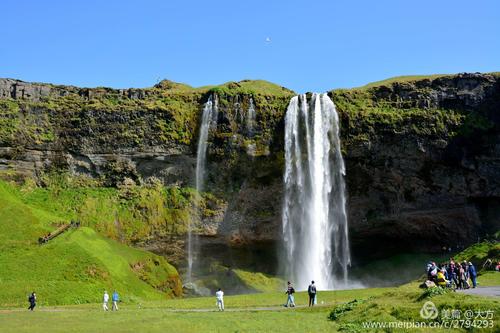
(315, 228)
(250, 121)
(208, 117)
(250, 125)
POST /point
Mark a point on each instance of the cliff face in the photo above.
(422, 155)
(430, 176)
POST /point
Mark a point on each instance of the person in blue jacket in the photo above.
(472, 274)
(32, 300)
(115, 300)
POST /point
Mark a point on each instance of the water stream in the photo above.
(315, 229)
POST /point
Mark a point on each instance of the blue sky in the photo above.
(314, 45)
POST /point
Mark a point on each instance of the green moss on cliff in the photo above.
(9, 120)
(128, 213)
(364, 117)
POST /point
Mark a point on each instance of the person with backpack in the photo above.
(32, 301)
(311, 290)
(290, 301)
(115, 300)
(472, 274)
(432, 271)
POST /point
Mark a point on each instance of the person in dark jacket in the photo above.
(459, 276)
(465, 267)
(290, 301)
(472, 274)
(32, 300)
(452, 274)
(311, 290)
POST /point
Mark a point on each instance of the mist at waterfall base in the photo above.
(315, 231)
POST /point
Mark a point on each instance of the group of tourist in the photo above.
(452, 274)
(114, 298)
(290, 301)
(311, 291)
(105, 299)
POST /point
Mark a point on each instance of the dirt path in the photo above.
(482, 291)
(269, 308)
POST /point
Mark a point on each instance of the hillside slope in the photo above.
(75, 267)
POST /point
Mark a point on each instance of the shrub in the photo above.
(341, 309)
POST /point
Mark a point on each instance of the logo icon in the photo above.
(429, 311)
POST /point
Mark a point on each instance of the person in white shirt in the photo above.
(105, 300)
(220, 299)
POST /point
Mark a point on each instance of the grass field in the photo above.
(248, 313)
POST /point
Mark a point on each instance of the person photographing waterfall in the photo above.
(290, 301)
(311, 290)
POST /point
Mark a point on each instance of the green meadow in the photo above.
(254, 313)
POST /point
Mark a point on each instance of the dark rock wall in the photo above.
(412, 191)
(422, 156)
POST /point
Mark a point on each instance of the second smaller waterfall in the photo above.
(250, 126)
(209, 116)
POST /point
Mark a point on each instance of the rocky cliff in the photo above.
(422, 154)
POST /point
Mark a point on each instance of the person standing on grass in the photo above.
(452, 274)
(115, 300)
(219, 295)
(290, 301)
(472, 274)
(311, 290)
(465, 267)
(32, 300)
(105, 300)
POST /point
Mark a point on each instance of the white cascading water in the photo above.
(250, 125)
(250, 117)
(315, 227)
(208, 117)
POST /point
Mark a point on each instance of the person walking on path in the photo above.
(105, 300)
(115, 300)
(290, 301)
(311, 290)
(220, 299)
(472, 274)
(32, 300)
